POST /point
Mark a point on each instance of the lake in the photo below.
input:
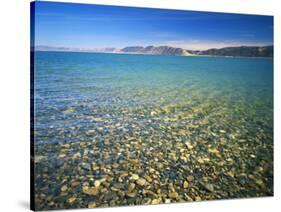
(192, 128)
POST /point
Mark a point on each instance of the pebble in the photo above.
(213, 151)
(135, 158)
(97, 183)
(91, 190)
(200, 160)
(190, 178)
(134, 177)
(131, 194)
(173, 195)
(86, 166)
(141, 181)
(185, 184)
(209, 187)
(38, 159)
(156, 201)
(71, 200)
(167, 200)
(148, 178)
(92, 205)
(76, 156)
(189, 146)
(153, 113)
(64, 188)
(68, 111)
(74, 183)
(131, 186)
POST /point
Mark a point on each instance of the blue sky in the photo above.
(93, 26)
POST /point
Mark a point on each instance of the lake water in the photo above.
(206, 117)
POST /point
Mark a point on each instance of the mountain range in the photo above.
(240, 51)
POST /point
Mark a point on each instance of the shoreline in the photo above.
(135, 53)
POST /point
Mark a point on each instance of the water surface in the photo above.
(206, 118)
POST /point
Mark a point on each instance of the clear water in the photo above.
(208, 119)
(103, 85)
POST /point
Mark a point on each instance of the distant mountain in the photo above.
(242, 51)
(163, 50)
(66, 49)
(131, 49)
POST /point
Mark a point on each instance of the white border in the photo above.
(14, 91)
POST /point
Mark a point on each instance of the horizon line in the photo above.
(144, 46)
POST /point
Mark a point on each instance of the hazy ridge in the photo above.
(240, 51)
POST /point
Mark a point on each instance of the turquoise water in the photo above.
(104, 84)
(206, 117)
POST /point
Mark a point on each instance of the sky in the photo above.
(96, 26)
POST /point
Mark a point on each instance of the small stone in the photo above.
(260, 183)
(131, 186)
(90, 190)
(151, 170)
(68, 111)
(200, 160)
(148, 178)
(153, 113)
(85, 184)
(95, 167)
(160, 166)
(64, 188)
(252, 156)
(114, 189)
(146, 201)
(75, 183)
(222, 131)
(134, 161)
(106, 142)
(119, 186)
(167, 200)
(62, 155)
(97, 119)
(141, 182)
(206, 159)
(115, 165)
(232, 136)
(92, 204)
(182, 132)
(86, 166)
(189, 146)
(124, 174)
(209, 187)
(190, 178)
(91, 132)
(214, 151)
(76, 156)
(131, 194)
(230, 173)
(71, 200)
(100, 129)
(97, 183)
(198, 198)
(38, 158)
(156, 201)
(173, 195)
(185, 184)
(135, 177)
